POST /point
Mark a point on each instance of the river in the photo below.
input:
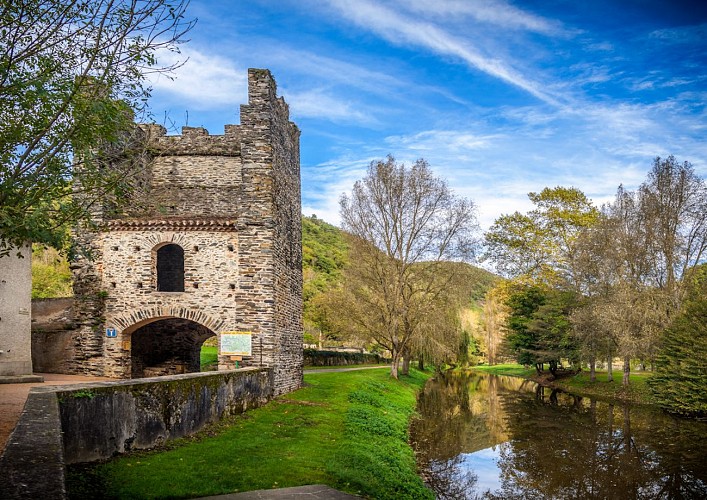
(488, 436)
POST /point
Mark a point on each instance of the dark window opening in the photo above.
(170, 268)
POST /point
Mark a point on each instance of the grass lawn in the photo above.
(209, 358)
(637, 392)
(347, 430)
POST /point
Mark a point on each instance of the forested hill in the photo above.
(325, 254)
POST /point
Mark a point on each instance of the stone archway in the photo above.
(167, 346)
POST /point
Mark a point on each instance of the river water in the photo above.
(487, 436)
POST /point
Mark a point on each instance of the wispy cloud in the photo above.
(496, 12)
(400, 29)
(451, 141)
(683, 34)
(317, 103)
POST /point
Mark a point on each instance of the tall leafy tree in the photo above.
(636, 261)
(72, 76)
(405, 222)
(538, 246)
(680, 384)
(539, 329)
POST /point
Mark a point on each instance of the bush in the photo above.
(314, 357)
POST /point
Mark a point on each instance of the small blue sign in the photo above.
(111, 332)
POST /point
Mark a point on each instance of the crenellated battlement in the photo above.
(194, 141)
(264, 108)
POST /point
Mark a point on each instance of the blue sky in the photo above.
(501, 97)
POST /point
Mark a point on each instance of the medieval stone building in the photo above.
(214, 249)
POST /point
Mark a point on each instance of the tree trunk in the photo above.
(610, 368)
(406, 364)
(627, 371)
(421, 363)
(592, 369)
(394, 365)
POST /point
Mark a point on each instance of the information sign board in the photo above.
(111, 332)
(236, 343)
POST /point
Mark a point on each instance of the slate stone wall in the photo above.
(232, 202)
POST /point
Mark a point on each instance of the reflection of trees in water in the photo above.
(458, 413)
(450, 480)
(559, 445)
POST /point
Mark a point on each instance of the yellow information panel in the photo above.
(236, 343)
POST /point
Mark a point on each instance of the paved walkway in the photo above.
(13, 397)
(313, 492)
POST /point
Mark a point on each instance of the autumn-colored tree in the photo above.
(538, 246)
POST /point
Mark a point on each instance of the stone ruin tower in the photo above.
(216, 248)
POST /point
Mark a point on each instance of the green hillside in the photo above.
(325, 255)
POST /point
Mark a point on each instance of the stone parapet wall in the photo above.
(61, 426)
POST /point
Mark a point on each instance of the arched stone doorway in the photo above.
(167, 346)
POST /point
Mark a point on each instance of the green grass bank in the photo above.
(638, 391)
(348, 430)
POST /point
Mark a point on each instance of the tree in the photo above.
(538, 326)
(680, 384)
(634, 262)
(674, 204)
(405, 223)
(538, 246)
(72, 76)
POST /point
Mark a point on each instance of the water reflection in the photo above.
(484, 436)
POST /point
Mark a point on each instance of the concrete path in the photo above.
(14, 396)
(310, 492)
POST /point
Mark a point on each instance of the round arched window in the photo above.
(170, 268)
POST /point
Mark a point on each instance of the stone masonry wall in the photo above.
(271, 232)
(232, 202)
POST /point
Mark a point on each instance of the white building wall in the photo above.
(15, 313)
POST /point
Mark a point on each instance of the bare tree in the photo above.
(634, 263)
(406, 222)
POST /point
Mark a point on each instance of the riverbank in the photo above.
(637, 392)
(348, 430)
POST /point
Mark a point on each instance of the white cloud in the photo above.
(682, 34)
(450, 141)
(317, 103)
(204, 81)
